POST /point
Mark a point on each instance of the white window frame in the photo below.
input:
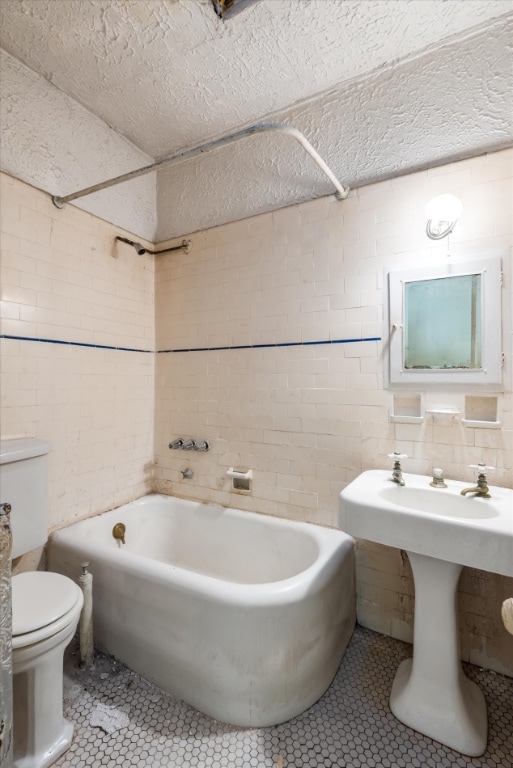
(490, 375)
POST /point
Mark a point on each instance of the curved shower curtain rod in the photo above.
(341, 192)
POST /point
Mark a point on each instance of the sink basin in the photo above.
(438, 522)
(446, 505)
(441, 531)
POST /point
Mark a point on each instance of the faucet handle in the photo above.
(176, 443)
(482, 468)
(438, 478)
(397, 456)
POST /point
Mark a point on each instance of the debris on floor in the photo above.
(72, 691)
(109, 719)
(350, 725)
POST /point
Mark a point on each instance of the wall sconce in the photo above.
(442, 213)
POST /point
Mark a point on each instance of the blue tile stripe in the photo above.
(73, 343)
(190, 349)
(271, 346)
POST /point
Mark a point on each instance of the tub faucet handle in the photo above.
(202, 445)
(188, 445)
(176, 443)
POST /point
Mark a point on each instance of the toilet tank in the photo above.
(23, 485)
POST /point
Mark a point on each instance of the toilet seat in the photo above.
(42, 604)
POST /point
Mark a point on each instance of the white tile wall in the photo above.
(308, 419)
(63, 279)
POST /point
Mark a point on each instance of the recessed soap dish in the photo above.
(440, 414)
(241, 480)
(406, 409)
(481, 412)
(443, 411)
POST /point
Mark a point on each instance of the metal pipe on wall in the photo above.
(141, 250)
(341, 192)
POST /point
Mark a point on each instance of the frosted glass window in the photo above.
(445, 325)
(442, 327)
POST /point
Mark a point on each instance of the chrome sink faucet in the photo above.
(481, 489)
(397, 475)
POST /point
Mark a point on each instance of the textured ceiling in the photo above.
(378, 87)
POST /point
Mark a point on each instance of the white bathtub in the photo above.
(244, 616)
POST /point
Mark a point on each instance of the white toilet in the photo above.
(46, 610)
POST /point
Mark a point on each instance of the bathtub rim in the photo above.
(332, 545)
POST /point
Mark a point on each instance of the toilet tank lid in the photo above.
(22, 448)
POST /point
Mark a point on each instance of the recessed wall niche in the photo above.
(406, 408)
(481, 411)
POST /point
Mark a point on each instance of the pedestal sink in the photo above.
(441, 531)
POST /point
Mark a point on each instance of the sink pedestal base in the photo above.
(430, 692)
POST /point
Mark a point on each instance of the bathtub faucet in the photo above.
(118, 532)
(189, 445)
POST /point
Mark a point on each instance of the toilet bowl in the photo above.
(46, 610)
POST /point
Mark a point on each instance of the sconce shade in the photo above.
(444, 208)
(442, 213)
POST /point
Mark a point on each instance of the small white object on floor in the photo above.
(507, 614)
(108, 718)
(86, 619)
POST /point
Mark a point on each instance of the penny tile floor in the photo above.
(350, 727)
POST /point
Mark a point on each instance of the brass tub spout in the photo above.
(119, 531)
